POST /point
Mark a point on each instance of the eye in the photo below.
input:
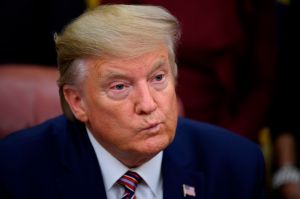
(159, 81)
(118, 87)
(118, 90)
(159, 77)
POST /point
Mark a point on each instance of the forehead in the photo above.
(143, 63)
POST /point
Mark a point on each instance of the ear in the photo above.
(74, 98)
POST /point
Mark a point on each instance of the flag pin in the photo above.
(188, 190)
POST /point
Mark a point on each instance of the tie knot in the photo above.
(130, 181)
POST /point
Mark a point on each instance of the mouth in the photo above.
(152, 128)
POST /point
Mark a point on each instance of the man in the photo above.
(117, 138)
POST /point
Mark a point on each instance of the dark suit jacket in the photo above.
(56, 160)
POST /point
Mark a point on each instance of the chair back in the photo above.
(29, 96)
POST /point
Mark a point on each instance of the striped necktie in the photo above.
(129, 181)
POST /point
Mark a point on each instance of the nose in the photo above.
(145, 101)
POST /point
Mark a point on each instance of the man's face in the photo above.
(130, 105)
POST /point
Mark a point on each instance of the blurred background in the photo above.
(237, 64)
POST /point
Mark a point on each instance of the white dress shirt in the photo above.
(112, 169)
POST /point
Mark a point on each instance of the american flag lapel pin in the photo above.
(188, 190)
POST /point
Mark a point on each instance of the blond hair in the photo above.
(115, 31)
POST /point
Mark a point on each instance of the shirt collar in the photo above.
(112, 169)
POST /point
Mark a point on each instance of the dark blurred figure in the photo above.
(27, 28)
(286, 104)
(226, 60)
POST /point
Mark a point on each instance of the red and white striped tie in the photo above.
(129, 181)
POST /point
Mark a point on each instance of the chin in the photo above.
(145, 150)
(153, 147)
(141, 156)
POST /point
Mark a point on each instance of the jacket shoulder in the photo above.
(38, 131)
(24, 146)
(212, 135)
(206, 144)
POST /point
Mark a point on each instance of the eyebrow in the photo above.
(159, 64)
(113, 74)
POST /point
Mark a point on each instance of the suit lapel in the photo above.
(174, 177)
(80, 172)
(182, 166)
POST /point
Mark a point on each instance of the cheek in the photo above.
(113, 118)
(169, 108)
(109, 115)
(103, 107)
(172, 111)
(110, 128)
(168, 103)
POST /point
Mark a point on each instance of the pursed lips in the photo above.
(152, 128)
